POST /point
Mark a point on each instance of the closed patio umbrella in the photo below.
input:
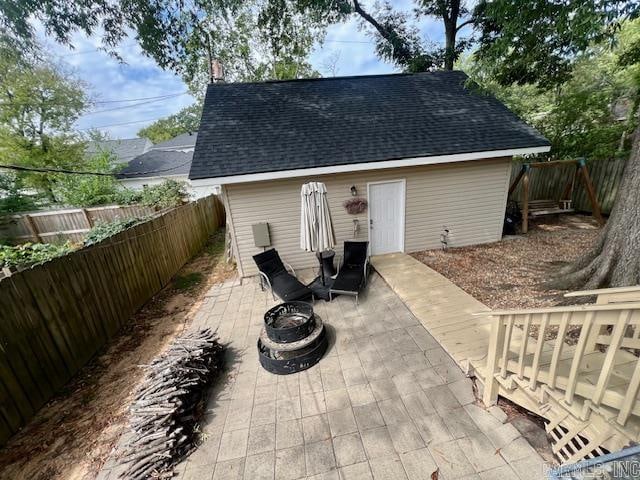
(316, 229)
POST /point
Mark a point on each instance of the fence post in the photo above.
(87, 218)
(33, 228)
(588, 185)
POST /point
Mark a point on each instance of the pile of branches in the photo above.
(164, 416)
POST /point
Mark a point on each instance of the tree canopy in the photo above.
(39, 103)
(186, 120)
(539, 42)
(588, 115)
(255, 39)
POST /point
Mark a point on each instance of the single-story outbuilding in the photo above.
(428, 152)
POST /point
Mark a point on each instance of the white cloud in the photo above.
(139, 76)
(354, 50)
(108, 79)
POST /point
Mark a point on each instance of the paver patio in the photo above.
(386, 402)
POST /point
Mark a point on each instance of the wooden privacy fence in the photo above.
(61, 225)
(549, 183)
(55, 316)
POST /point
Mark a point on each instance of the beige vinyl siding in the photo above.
(468, 197)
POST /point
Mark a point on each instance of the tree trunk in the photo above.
(449, 44)
(614, 260)
(400, 50)
(450, 17)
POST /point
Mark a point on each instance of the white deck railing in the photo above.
(608, 336)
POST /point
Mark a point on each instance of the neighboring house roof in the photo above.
(185, 141)
(157, 163)
(253, 128)
(124, 149)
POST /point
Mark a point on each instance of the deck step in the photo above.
(590, 368)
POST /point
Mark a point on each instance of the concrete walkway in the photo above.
(386, 402)
(443, 308)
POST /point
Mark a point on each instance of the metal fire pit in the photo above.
(289, 322)
(293, 338)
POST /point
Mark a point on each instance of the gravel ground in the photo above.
(511, 273)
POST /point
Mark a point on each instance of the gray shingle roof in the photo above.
(183, 141)
(264, 127)
(124, 149)
(157, 163)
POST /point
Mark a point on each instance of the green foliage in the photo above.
(39, 102)
(186, 120)
(12, 198)
(582, 116)
(254, 40)
(90, 190)
(31, 253)
(188, 281)
(397, 30)
(169, 193)
(104, 230)
(216, 243)
(12, 201)
(537, 41)
(61, 19)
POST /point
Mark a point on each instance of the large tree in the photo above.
(582, 117)
(39, 102)
(179, 35)
(253, 39)
(538, 42)
(186, 120)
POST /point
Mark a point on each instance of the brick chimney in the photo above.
(216, 72)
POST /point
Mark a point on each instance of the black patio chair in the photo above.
(352, 276)
(280, 279)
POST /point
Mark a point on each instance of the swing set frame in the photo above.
(534, 208)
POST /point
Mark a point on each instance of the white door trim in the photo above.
(403, 182)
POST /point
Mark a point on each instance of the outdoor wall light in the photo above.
(354, 190)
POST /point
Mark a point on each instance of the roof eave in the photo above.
(356, 167)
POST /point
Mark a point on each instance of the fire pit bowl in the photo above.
(283, 359)
(289, 322)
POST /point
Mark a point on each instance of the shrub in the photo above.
(89, 190)
(128, 197)
(169, 193)
(104, 230)
(31, 253)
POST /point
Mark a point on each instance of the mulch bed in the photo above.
(512, 273)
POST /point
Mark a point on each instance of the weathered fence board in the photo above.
(62, 225)
(549, 183)
(54, 317)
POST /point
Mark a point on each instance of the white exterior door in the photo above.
(386, 216)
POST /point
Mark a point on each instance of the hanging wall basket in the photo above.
(356, 205)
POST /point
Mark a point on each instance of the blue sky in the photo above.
(108, 80)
